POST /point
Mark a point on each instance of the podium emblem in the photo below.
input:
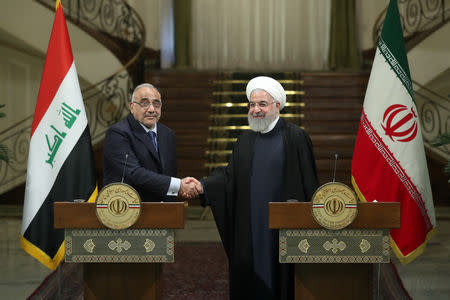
(334, 205)
(118, 206)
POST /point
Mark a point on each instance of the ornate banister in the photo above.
(417, 17)
(434, 112)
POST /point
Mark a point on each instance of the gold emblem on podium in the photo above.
(334, 205)
(118, 206)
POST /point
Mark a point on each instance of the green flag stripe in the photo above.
(392, 35)
(396, 66)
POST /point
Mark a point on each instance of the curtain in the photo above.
(182, 16)
(167, 34)
(260, 34)
(343, 43)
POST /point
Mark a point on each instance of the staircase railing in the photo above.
(418, 17)
(107, 100)
(434, 112)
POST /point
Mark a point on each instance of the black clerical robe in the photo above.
(228, 192)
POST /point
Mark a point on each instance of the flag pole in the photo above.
(378, 280)
(58, 296)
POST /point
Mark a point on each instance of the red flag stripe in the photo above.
(414, 229)
(57, 63)
(387, 159)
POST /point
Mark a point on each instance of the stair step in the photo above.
(181, 79)
(242, 98)
(190, 92)
(331, 127)
(331, 115)
(335, 79)
(344, 103)
(240, 85)
(332, 92)
(182, 116)
(319, 138)
(185, 105)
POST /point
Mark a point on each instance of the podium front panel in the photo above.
(119, 246)
(334, 246)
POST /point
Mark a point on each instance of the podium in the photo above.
(120, 264)
(334, 264)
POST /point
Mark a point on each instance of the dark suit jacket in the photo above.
(148, 171)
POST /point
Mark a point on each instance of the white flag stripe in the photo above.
(38, 187)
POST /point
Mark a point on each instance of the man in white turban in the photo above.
(273, 162)
(260, 119)
(270, 85)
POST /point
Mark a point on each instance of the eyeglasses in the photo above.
(262, 104)
(146, 104)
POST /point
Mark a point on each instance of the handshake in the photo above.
(190, 188)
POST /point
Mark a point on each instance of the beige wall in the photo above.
(431, 57)
(149, 11)
(367, 12)
(20, 76)
(31, 22)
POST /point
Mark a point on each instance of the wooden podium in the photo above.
(120, 264)
(334, 264)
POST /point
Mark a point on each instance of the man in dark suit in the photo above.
(142, 150)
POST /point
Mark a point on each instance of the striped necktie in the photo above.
(153, 136)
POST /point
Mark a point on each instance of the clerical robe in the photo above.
(232, 193)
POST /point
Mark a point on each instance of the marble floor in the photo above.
(427, 277)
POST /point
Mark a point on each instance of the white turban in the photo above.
(270, 85)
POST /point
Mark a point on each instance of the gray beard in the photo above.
(260, 125)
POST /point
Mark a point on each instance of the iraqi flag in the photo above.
(60, 159)
(389, 162)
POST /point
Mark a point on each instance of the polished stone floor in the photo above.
(428, 277)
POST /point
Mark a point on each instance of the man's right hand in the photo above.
(198, 185)
(190, 187)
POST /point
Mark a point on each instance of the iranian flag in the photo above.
(60, 159)
(389, 162)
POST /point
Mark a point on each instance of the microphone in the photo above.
(124, 166)
(335, 162)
